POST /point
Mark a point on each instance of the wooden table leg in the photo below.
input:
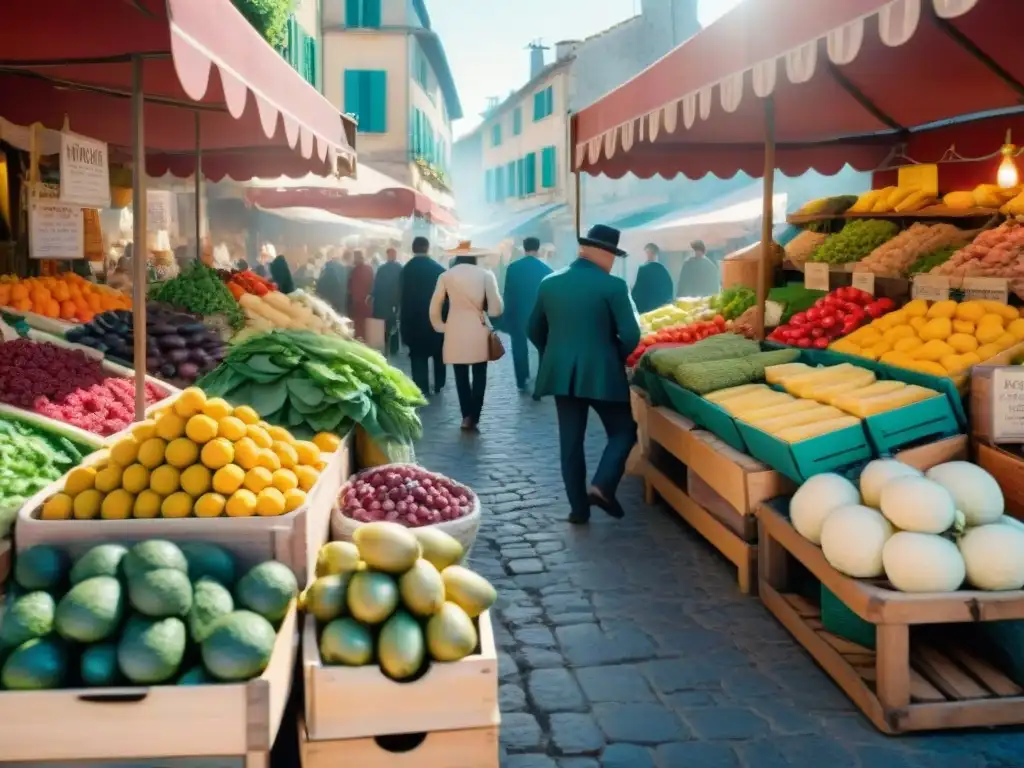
(892, 666)
(772, 560)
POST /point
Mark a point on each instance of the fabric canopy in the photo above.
(318, 216)
(256, 115)
(849, 80)
(491, 235)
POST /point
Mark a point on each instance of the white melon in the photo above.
(879, 473)
(815, 499)
(923, 562)
(919, 505)
(975, 492)
(852, 540)
(994, 556)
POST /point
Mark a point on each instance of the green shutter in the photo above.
(499, 182)
(496, 135)
(549, 101)
(510, 170)
(352, 15)
(517, 121)
(538, 106)
(377, 81)
(548, 168)
(531, 173)
(371, 14)
(353, 93)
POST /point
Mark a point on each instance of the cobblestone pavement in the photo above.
(626, 644)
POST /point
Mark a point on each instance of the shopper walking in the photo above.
(585, 326)
(387, 294)
(472, 293)
(522, 282)
(360, 289)
(653, 285)
(419, 278)
(699, 275)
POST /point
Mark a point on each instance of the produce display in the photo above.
(664, 360)
(982, 196)
(895, 257)
(733, 302)
(995, 252)
(833, 316)
(893, 200)
(923, 532)
(66, 385)
(942, 338)
(243, 281)
(276, 311)
(930, 261)
(153, 614)
(678, 335)
(827, 205)
(682, 311)
(847, 387)
(197, 457)
(200, 291)
(801, 247)
(179, 348)
(396, 598)
(333, 322)
(313, 383)
(407, 494)
(854, 241)
(792, 298)
(67, 297)
(714, 375)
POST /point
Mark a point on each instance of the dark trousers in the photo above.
(520, 357)
(471, 384)
(392, 335)
(418, 366)
(617, 419)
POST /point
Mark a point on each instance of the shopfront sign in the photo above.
(84, 171)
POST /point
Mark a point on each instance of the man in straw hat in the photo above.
(585, 326)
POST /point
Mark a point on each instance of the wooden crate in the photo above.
(1006, 467)
(472, 748)
(640, 404)
(911, 682)
(293, 539)
(361, 703)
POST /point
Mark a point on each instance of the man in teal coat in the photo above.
(522, 283)
(585, 326)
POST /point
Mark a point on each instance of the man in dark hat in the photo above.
(522, 282)
(653, 285)
(419, 278)
(585, 326)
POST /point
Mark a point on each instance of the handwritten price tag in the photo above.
(930, 287)
(816, 277)
(986, 289)
(864, 281)
(1008, 404)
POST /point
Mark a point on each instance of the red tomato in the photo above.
(719, 321)
(888, 304)
(829, 321)
(800, 318)
(849, 326)
(686, 337)
(817, 333)
(803, 343)
(803, 332)
(821, 343)
(814, 313)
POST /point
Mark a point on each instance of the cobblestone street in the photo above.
(626, 644)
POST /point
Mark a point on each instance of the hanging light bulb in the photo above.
(1008, 176)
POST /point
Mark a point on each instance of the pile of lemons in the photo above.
(196, 457)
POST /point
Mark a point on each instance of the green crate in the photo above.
(840, 620)
(924, 422)
(651, 383)
(833, 452)
(705, 414)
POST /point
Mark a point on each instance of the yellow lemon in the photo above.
(241, 504)
(217, 408)
(280, 434)
(270, 503)
(964, 326)
(80, 479)
(170, 426)
(217, 453)
(307, 477)
(87, 504)
(294, 499)
(258, 478)
(60, 506)
(147, 505)
(181, 452)
(284, 480)
(201, 429)
(210, 505)
(144, 430)
(286, 453)
(165, 480)
(246, 414)
(259, 436)
(267, 458)
(151, 452)
(177, 505)
(228, 479)
(231, 428)
(135, 479)
(117, 505)
(190, 402)
(308, 453)
(108, 478)
(246, 453)
(125, 451)
(195, 481)
(916, 308)
(327, 442)
(1016, 327)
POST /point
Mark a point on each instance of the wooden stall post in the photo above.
(199, 189)
(139, 250)
(766, 211)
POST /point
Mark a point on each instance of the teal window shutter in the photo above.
(521, 176)
(352, 13)
(549, 100)
(517, 121)
(371, 14)
(496, 135)
(548, 170)
(377, 107)
(538, 106)
(531, 173)
(353, 91)
(488, 182)
(510, 170)
(499, 182)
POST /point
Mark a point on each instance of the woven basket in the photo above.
(464, 530)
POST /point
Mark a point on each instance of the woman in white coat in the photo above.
(472, 294)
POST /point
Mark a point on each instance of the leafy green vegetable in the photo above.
(733, 302)
(930, 261)
(313, 383)
(200, 290)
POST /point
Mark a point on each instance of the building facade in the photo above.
(302, 46)
(383, 64)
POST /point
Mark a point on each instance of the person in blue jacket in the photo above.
(653, 285)
(522, 282)
(585, 326)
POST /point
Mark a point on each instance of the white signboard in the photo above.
(816, 276)
(987, 289)
(930, 287)
(84, 172)
(161, 212)
(56, 231)
(864, 281)
(1008, 404)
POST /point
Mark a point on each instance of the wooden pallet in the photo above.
(912, 682)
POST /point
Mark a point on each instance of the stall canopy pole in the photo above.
(199, 189)
(766, 211)
(139, 245)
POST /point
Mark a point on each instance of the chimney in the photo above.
(492, 104)
(565, 49)
(537, 64)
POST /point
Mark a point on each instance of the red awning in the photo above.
(257, 116)
(850, 79)
(396, 203)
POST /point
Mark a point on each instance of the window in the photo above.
(521, 176)
(548, 168)
(366, 97)
(499, 183)
(362, 13)
(512, 179)
(422, 70)
(517, 121)
(543, 103)
(300, 51)
(530, 174)
(496, 135)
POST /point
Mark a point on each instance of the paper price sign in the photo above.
(986, 289)
(864, 281)
(56, 231)
(1008, 404)
(924, 176)
(930, 287)
(816, 277)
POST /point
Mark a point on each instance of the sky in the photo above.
(486, 40)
